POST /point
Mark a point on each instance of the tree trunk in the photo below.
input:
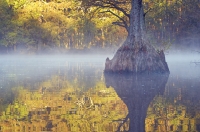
(136, 54)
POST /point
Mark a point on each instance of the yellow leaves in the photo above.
(12, 34)
(16, 3)
(70, 22)
(55, 23)
(105, 19)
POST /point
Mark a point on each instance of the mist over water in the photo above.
(184, 64)
(38, 66)
(184, 78)
(41, 67)
(85, 73)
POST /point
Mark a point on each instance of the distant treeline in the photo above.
(37, 26)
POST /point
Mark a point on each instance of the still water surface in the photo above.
(71, 94)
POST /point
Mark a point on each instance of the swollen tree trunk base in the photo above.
(141, 58)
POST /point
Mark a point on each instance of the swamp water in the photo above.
(71, 93)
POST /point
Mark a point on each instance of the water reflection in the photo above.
(136, 91)
(64, 94)
(179, 108)
(64, 107)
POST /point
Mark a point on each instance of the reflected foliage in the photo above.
(178, 109)
(63, 107)
(164, 115)
(58, 95)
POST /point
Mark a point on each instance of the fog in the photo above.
(183, 64)
(39, 66)
(86, 70)
(177, 61)
(20, 70)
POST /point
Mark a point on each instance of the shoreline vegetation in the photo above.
(67, 26)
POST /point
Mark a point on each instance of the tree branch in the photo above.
(147, 12)
(93, 13)
(123, 21)
(119, 24)
(110, 4)
(118, 8)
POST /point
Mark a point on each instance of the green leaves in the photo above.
(66, 24)
(16, 4)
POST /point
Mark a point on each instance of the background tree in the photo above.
(34, 26)
(172, 21)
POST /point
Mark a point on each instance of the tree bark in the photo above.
(136, 54)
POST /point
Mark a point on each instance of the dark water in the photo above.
(71, 94)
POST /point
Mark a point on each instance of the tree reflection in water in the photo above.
(64, 107)
(136, 91)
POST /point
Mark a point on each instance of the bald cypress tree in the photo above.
(137, 54)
